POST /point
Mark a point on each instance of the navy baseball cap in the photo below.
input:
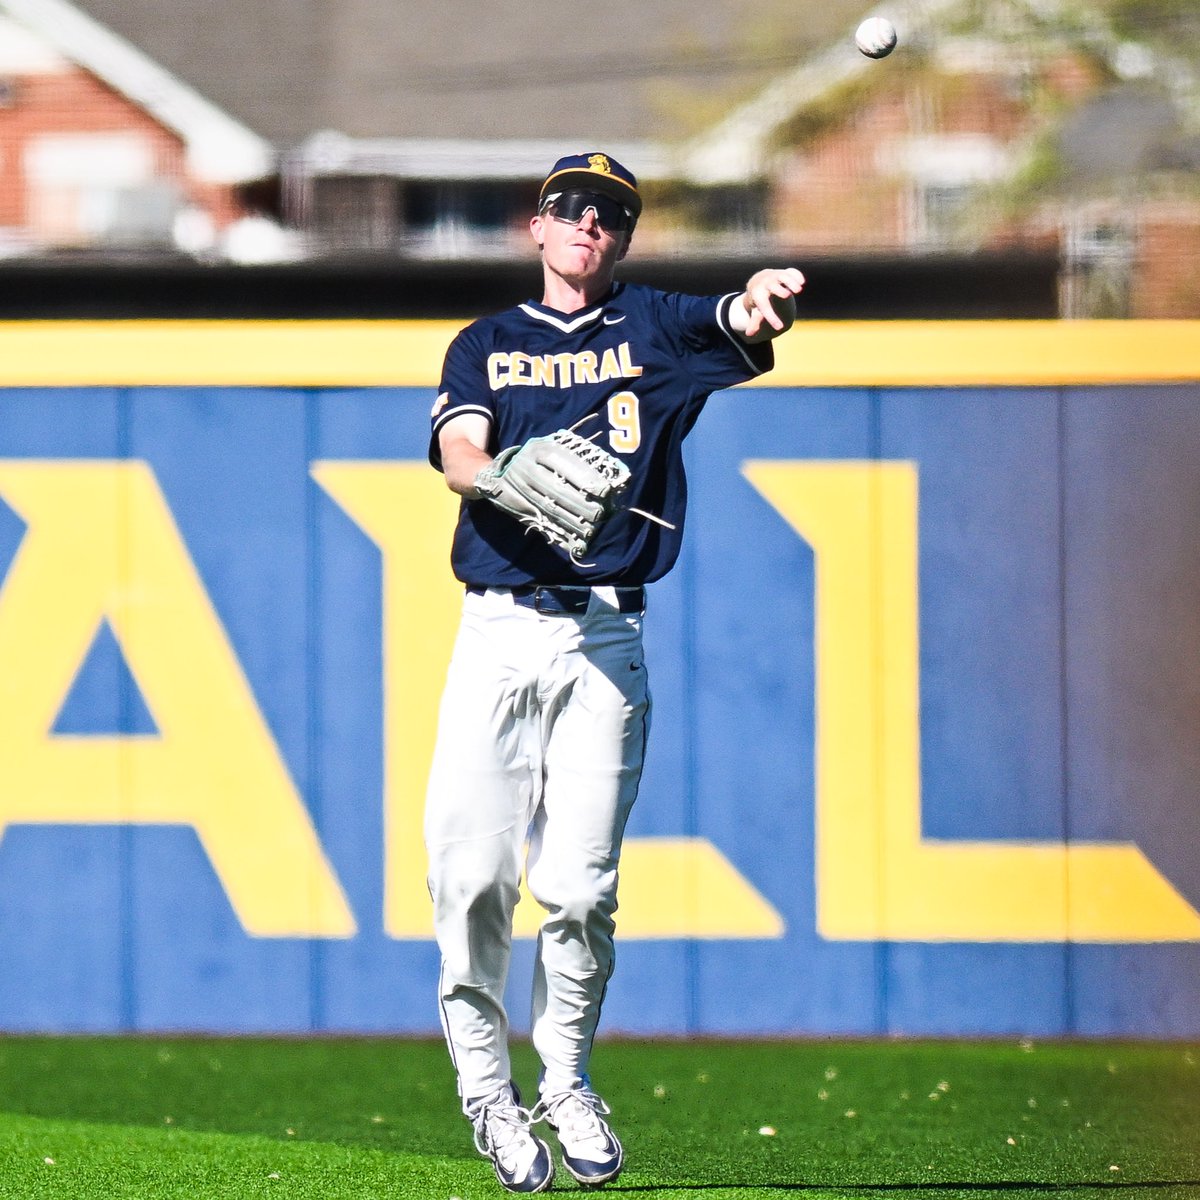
(594, 173)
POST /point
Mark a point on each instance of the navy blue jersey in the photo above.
(635, 369)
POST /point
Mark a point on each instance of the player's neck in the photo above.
(573, 295)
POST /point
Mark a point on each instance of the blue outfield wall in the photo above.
(926, 742)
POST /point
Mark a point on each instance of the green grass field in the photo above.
(85, 1118)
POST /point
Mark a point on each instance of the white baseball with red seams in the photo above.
(876, 37)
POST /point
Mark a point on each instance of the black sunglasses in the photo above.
(611, 216)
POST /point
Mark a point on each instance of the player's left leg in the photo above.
(595, 744)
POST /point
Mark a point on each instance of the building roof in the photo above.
(478, 69)
(692, 89)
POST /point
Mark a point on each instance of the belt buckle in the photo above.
(551, 601)
(546, 602)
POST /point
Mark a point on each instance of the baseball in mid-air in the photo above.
(876, 37)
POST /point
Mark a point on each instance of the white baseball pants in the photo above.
(542, 732)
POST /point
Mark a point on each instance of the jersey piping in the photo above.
(579, 322)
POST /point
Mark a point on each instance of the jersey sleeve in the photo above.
(463, 389)
(713, 353)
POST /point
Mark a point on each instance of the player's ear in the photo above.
(625, 248)
(535, 228)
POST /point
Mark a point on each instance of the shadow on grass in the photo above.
(868, 1189)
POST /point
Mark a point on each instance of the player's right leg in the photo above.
(481, 792)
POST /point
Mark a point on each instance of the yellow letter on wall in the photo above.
(408, 512)
(100, 544)
(877, 875)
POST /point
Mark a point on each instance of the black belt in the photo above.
(565, 601)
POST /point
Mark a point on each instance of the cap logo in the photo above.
(599, 162)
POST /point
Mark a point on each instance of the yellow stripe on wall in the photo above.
(409, 353)
(971, 353)
(223, 353)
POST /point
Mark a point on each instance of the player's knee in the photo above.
(584, 903)
(476, 897)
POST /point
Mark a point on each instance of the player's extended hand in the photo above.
(769, 302)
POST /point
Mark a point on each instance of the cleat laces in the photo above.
(502, 1131)
(590, 1150)
(502, 1134)
(576, 1118)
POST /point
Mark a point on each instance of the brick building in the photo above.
(915, 162)
(995, 125)
(101, 149)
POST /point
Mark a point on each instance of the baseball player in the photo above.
(543, 723)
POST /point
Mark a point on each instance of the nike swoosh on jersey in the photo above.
(614, 320)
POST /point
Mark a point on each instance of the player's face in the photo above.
(581, 251)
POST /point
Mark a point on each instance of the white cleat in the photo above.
(590, 1150)
(522, 1162)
